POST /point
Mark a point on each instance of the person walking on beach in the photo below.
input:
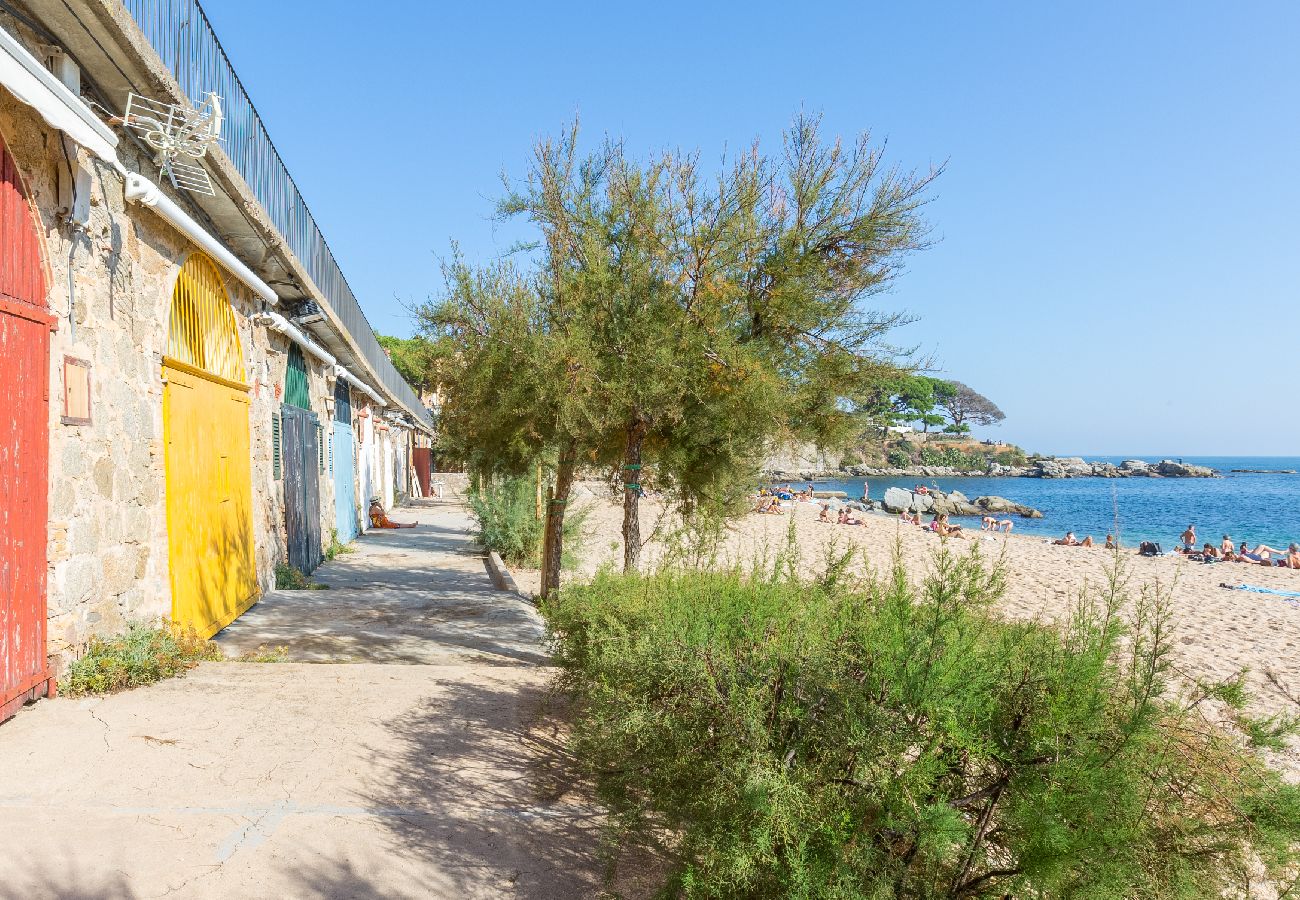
(1189, 537)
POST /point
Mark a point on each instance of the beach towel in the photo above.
(1255, 589)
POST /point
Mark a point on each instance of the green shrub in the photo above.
(850, 459)
(898, 459)
(142, 655)
(828, 738)
(291, 578)
(506, 511)
(1013, 456)
(953, 457)
(337, 548)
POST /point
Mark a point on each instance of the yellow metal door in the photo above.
(209, 499)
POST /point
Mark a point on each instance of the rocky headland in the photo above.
(1038, 467)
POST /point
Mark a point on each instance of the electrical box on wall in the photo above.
(76, 391)
(74, 192)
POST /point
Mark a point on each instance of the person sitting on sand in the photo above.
(1292, 560)
(941, 527)
(1068, 541)
(825, 515)
(1226, 548)
(1188, 537)
(1209, 551)
(1086, 542)
(1111, 543)
(911, 518)
(379, 519)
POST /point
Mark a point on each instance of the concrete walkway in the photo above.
(423, 763)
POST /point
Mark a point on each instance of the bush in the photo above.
(1011, 457)
(887, 739)
(953, 457)
(143, 655)
(850, 459)
(291, 578)
(507, 523)
(898, 459)
(506, 511)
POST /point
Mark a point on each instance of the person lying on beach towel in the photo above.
(1068, 541)
(1262, 554)
(379, 518)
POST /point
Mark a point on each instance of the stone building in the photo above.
(192, 393)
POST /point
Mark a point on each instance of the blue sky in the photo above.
(1118, 228)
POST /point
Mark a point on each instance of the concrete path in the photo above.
(425, 766)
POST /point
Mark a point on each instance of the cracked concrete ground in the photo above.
(419, 761)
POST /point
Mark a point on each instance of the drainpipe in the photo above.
(340, 372)
(143, 191)
(279, 323)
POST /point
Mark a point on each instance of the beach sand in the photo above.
(1216, 631)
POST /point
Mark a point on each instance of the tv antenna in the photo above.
(181, 136)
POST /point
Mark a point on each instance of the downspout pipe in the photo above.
(360, 385)
(143, 191)
(279, 323)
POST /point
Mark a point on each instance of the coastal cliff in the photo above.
(780, 469)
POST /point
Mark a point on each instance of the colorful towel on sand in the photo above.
(1263, 590)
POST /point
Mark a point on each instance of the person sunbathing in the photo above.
(1086, 542)
(1111, 543)
(1226, 547)
(379, 518)
(941, 527)
(1209, 551)
(1292, 560)
(1068, 541)
(825, 515)
(1262, 554)
(910, 518)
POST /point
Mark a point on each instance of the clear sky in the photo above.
(1118, 227)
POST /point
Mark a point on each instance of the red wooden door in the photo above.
(25, 325)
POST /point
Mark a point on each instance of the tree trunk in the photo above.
(553, 540)
(632, 496)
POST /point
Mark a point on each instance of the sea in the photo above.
(1250, 507)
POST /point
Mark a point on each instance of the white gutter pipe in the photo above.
(284, 326)
(143, 191)
(360, 385)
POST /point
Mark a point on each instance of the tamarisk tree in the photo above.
(681, 321)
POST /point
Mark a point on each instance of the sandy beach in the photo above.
(1217, 631)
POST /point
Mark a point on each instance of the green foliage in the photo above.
(1012, 456)
(506, 511)
(951, 456)
(841, 739)
(850, 459)
(142, 655)
(415, 359)
(290, 578)
(336, 547)
(898, 458)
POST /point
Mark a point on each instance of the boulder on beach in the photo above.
(1003, 505)
(897, 500)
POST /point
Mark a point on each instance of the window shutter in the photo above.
(275, 446)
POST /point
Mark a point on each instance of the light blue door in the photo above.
(345, 491)
(345, 464)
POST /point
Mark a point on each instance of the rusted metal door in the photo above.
(300, 443)
(25, 326)
(422, 459)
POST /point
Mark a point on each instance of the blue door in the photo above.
(345, 465)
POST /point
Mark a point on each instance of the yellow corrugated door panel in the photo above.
(209, 501)
(209, 478)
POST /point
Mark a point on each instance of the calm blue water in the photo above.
(1251, 508)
